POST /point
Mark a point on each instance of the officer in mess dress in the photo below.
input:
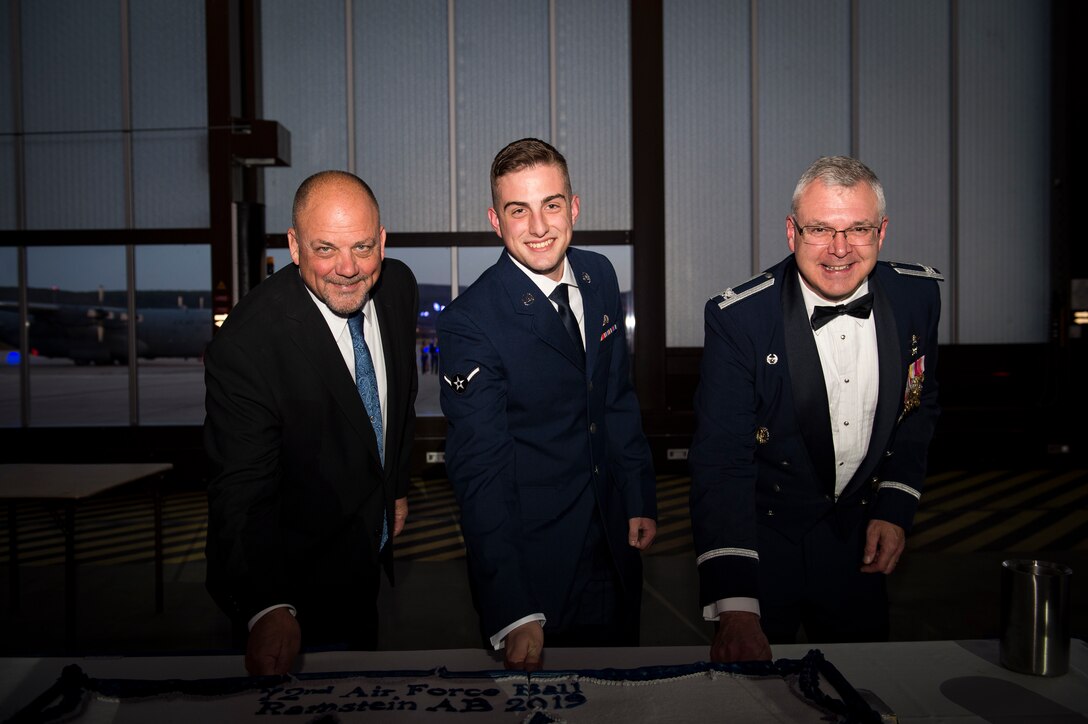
(815, 409)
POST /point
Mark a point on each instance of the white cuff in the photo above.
(252, 621)
(735, 603)
(498, 639)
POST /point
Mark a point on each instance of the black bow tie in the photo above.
(860, 308)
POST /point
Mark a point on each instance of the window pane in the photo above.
(431, 267)
(303, 86)
(75, 181)
(277, 259)
(78, 319)
(170, 167)
(9, 338)
(174, 324)
(170, 179)
(472, 261)
(402, 139)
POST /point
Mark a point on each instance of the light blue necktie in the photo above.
(367, 382)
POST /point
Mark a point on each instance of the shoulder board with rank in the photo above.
(916, 270)
(756, 284)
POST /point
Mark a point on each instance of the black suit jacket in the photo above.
(297, 492)
(763, 451)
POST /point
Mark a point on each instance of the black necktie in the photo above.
(560, 297)
(860, 308)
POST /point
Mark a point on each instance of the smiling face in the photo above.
(835, 270)
(338, 244)
(534, 213)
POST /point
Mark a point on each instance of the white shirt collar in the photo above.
(337, 322)
(546, 285)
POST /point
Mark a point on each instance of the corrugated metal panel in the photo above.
(7, 107)
(71, 65)
(594, 107)
(8, 211)
(8, 215)
(1004, 183)
(904, 133)
(170, 168)
(804, 104)
(402, 110)
(303, 50)
(75, 181)
(502, 92)
(708, 197)
(72, 83)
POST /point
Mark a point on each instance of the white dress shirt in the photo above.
(850, 363)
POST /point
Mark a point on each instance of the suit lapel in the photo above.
(527, 299)
(890, 385)
(311, 334)
(393, 382)
(807, 380)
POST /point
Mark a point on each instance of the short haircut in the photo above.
(321, 178)
(839, 171)
(524, 153)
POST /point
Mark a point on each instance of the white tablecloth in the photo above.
(960, 682)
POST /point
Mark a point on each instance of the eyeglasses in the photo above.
(823, 235)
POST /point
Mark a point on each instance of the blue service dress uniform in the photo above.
(544, 445)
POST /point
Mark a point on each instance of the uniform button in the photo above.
(842, 336)
(591, 385)
(875, 479)
(847, 380)
(777, 488)
(827, 498)
(785, 463)
(592, 428)
(888, 453)
(864, 501)
(596, 471)
(846, 422)
(770, 512)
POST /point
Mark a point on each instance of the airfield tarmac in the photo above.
(170, 392)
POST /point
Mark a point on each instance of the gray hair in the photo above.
(839, 171)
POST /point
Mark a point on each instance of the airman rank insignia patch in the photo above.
(756, 284)
(916, 270)
(459, 383)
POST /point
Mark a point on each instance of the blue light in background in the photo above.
(13, 357)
